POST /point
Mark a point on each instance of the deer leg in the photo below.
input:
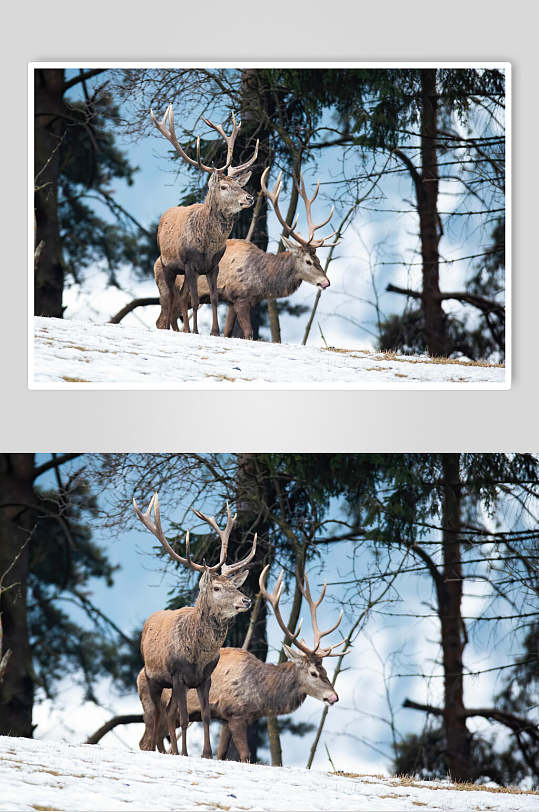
(243, 312)
(179, 692)
(224, 741)
(177, 303)
(172, 715)
(155, 694)
(238, 729)
(230, 321)
(212, 284)
(192, 280)
(203, 692)
(164, 294)
(170, 281)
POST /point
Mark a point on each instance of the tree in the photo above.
(446, 510)
(76, 160)
(47, 557)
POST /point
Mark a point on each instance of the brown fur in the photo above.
(180, 649)
(192, 240)
(246, 277)
(244, 689)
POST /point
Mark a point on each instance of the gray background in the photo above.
(278, 420)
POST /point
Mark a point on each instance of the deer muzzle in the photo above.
(331, 699)
(243, 604)
(324, 283)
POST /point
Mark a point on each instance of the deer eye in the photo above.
(223, 188)
(216, 588)
(308, 262)
(313, 673)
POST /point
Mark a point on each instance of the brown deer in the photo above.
(247, 275)
(180, 648)
(192, 239)
(244, 689)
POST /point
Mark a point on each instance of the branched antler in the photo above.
(273, 196)
(170, 134)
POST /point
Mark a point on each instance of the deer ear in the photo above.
(288, 243)
(237, 580)
(293, 656)
(243, 178)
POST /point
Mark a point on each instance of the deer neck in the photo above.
(217, 222)
(283, 689)
(215, 626)
(281, 275)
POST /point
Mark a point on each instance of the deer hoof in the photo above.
(207, 754)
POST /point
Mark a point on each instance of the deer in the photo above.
(180, 648)
(244, 689)
(192, 239)
(247, 275)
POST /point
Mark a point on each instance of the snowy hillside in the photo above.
(58, 776)
(71, 352)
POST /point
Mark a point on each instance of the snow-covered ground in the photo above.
(58, 776)
(68, 353)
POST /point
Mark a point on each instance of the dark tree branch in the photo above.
(485, 305)
(54, 463)
(125, 719)
(142, 302)
(82, 77)
(518, 724)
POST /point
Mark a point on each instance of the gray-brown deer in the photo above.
(192, 239)
(247, 275)
(180, 648)
(244, 689)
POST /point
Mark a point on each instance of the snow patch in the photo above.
(59, 776)
(69, 352)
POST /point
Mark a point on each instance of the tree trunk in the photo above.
(49, 129)
(252, 118)
(16, 520)
(247, 506)
(429, 221)
(452, 625)
(272, 723)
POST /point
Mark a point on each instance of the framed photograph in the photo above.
(269, 225)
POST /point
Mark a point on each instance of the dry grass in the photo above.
(391, 355)
(408, 781)
(74, 380)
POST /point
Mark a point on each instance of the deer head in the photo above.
(312, 674)
(308, 267)
(219, 593)
(224, 190)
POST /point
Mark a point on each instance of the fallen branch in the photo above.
(125, 719)
(142, 302)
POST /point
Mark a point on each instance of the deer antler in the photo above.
(273, 599)
(273, 196)
(313, 606)
(155, 528)
(170, 134)
(224, 535)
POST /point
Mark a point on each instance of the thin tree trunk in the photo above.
(271, 722)
(256, 105)
(429, 220)
(452, 625)
(48, 133)
(17, 687)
